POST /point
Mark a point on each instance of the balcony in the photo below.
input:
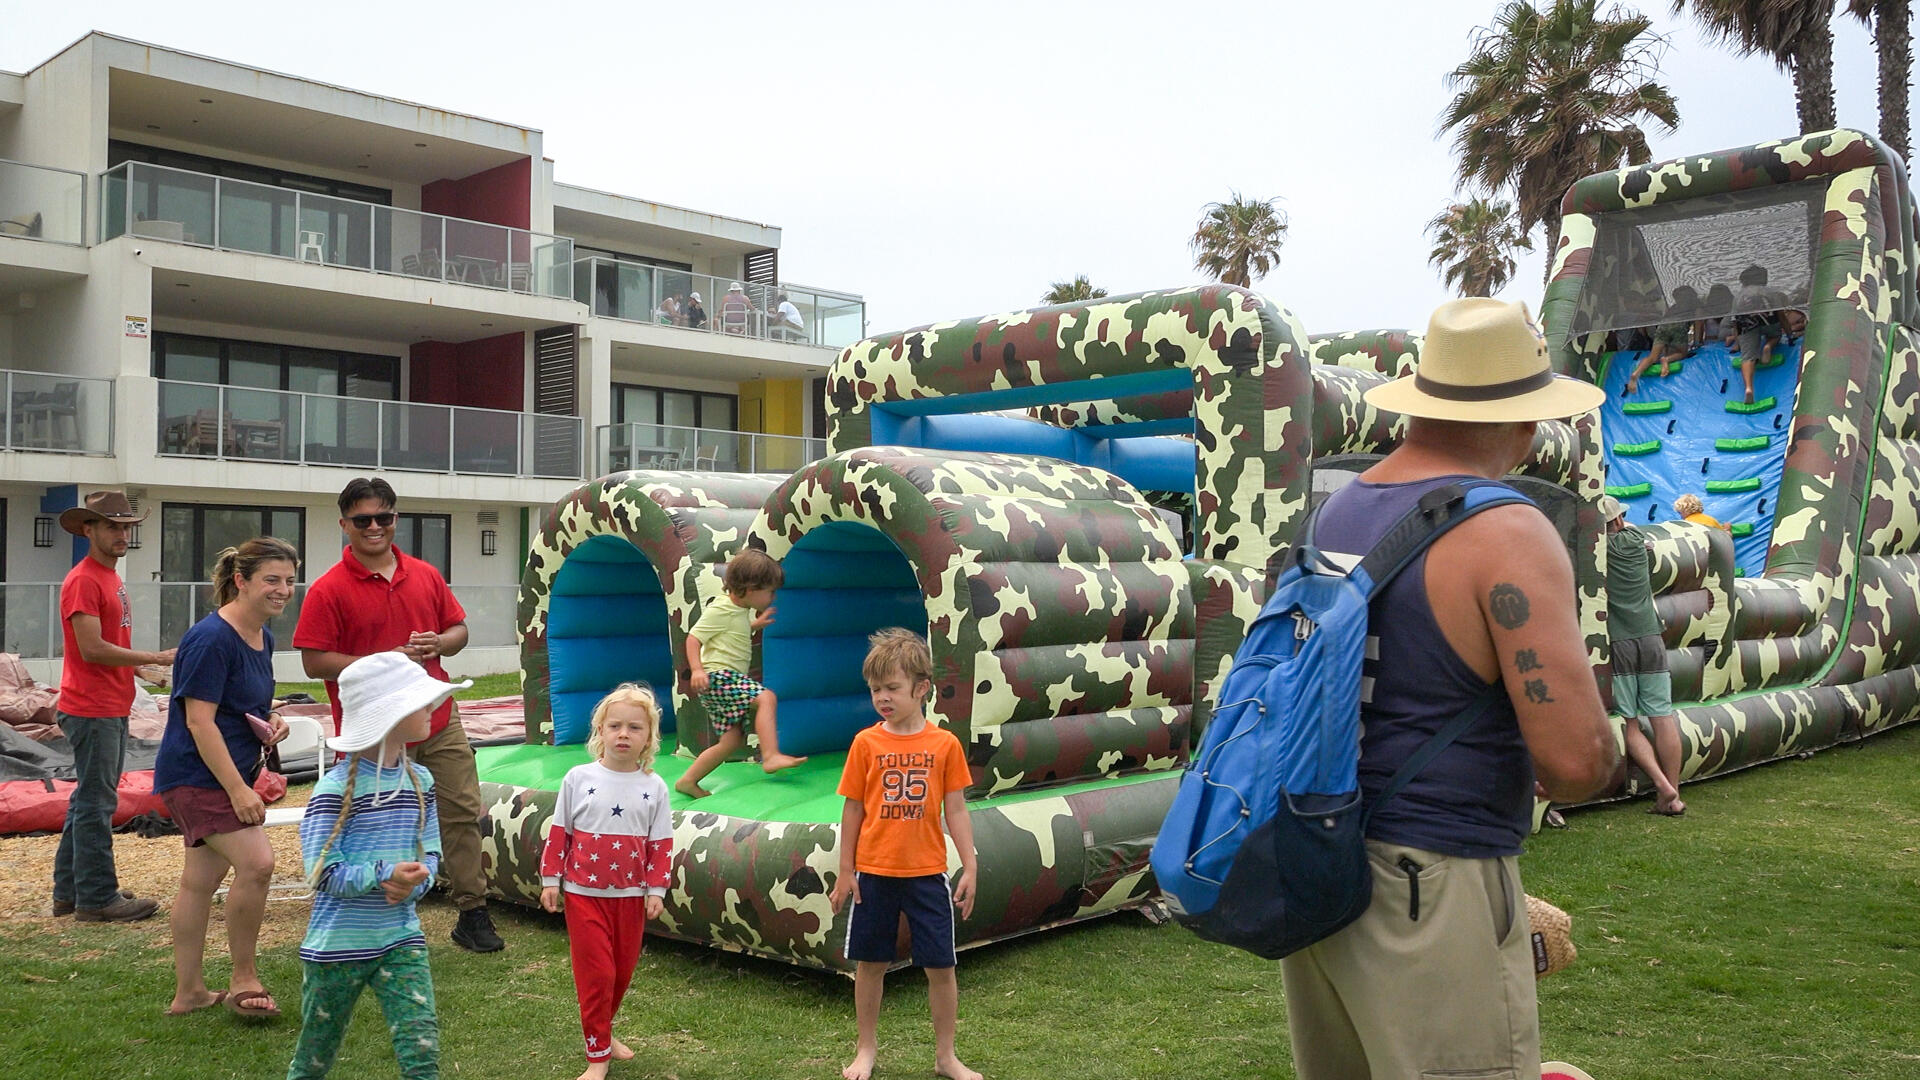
(56, 414)
(40, 203)
(638, 292)
(287, 427)
(619, 447)
(237, 215)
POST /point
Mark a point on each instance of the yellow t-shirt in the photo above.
(1707, 520)
(725, 632)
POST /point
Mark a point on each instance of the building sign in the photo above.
(136, 326)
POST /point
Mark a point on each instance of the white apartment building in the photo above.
(229, 291)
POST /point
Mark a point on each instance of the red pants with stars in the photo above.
(603, 937)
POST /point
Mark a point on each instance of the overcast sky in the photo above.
(950, 160)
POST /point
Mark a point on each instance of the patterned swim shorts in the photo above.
(729, 695)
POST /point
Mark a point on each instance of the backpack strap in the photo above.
(1437, 512)
(1430, 749)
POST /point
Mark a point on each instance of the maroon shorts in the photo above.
(201, 812)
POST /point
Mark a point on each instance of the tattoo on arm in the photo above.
(1537, 691)
(1509, 606)
(1525, 660)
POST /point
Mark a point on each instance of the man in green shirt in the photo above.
(1642, 685)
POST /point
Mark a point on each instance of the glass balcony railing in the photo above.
(638, 292)
(619, 447)
(237, 215)
(492, 614)
(205, 420)
(30, 619)
(40, 203)
(56, 414)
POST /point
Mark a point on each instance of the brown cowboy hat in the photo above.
(1484, 361)
(111, 505)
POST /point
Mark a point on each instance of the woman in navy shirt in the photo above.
(209, 757)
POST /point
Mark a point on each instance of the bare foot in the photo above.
(861, 1067)
(1668, 807)
(776, 762)
(691, 791)
(1663, 368)
(953, 1070)
(193, 1002)
(1632, 384)
(621, 1052)
(596, 1070)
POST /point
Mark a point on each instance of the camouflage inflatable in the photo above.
(1078, 506)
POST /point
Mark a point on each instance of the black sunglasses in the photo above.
(361, 521)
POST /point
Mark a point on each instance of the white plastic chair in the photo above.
(314, 242)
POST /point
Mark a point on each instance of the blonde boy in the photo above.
(719, 651)
(901, 775)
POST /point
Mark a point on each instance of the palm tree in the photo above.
(1066, 292)
(1473, 244)
(1239, 240)
(1547, 97)
(1893, 40)
(1795, 34)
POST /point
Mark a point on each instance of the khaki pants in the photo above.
(449, 757)
(1447, 995)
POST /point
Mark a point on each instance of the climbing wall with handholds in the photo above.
(1692, 431)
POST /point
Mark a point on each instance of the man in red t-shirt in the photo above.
(378, 598)
(96, 693)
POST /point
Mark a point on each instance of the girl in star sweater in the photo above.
(609, 851)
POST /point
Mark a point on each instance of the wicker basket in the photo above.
(1552, 937)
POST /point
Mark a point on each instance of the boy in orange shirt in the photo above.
(901, 775)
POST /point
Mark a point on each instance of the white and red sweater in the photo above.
(612, 834)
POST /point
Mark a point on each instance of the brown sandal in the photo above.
(237, 1004)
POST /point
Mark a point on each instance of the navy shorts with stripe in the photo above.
(873, 927)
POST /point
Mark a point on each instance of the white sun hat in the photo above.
(379, 691)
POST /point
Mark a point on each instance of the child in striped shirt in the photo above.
(370, 839)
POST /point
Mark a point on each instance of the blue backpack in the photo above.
(1264, 847)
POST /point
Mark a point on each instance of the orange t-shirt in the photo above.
(1707, 520)
(902, 780)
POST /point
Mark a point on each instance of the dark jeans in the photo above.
(83, 872)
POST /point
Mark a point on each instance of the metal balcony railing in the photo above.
(238, 215)
(56, 414)
(41, 203)
(639, 292)
(619, 447)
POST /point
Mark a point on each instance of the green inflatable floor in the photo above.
(740, 789)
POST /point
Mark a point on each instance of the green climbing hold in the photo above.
(1762, 405)
(1636, 449)
(1741, 446)
(1641, 408)
(1751, 483)
(1741, 528)
(1629, 491)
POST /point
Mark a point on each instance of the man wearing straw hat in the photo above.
(96, 693)
(1437, 977)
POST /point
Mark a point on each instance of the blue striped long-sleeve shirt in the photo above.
(351, 917)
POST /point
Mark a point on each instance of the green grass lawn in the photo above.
(484, 686)
(1771, 932)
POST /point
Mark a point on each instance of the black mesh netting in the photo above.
(1739, 253)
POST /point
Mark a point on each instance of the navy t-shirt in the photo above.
(215, 664)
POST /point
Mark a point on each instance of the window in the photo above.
(192, 535)
(118, 152)
(265, 366)
(427, 537)
(685, 408)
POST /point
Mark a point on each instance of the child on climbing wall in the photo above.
(719, 651)
(902, 776)
(609, 854)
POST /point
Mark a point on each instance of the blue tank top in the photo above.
(1475, 800)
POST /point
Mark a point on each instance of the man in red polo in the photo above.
(377, 599)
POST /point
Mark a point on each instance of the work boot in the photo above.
(475, 932)
(123, 909)
(65, 907)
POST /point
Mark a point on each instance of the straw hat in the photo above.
(111, 505)
(1552, 937)
(1611, 508)
(1484, 361)
(379, 691)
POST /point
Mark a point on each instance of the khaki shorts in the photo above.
(1449, 994)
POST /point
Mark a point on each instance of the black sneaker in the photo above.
(475, 932)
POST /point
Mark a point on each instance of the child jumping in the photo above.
(719, 652)
(610, 849)
(901, 775)
(371, 843)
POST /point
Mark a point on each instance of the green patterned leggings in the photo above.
(404, 987)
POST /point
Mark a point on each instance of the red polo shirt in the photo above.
(353, 610)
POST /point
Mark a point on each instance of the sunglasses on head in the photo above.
(384, 519)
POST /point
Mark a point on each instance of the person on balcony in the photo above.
(695, 316)
(736, 309)
(786, 321)
(378, 598)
